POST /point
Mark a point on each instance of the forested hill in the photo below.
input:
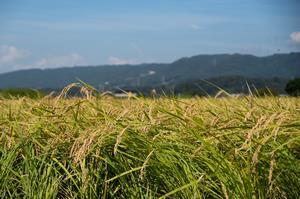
(285, 66)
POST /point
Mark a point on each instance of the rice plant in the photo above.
(102, 147)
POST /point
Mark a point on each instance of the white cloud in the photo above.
(295, 37)
(196, 27)
(9, 54)
(72, 59)
(138, 49)
(8, 63)
(117, 61)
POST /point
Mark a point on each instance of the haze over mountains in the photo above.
(280, 66)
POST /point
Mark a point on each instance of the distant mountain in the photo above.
(285, 66)
(207, 66)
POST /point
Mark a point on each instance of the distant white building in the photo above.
(125, 95)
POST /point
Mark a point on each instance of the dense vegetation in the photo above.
(20, 92)
(293, 87)
(150, 148)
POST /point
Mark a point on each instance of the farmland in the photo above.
(102, 147)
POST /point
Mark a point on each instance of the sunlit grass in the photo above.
(101, 147)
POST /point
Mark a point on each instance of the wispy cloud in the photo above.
(8, 37)
(131, 22)
(84, 25)
(138, 49)
(9, 54)
(295, 37)
(196, 27)
(118, 61)
(72, 59)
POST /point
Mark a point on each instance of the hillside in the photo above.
(285, 66)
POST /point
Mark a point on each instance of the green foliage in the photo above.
(150, 148)
(293, 87)
(20, 92)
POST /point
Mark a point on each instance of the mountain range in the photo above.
(182, 71)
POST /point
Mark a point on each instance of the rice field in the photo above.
(102, 147)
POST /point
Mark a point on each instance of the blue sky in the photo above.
(47, 34)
